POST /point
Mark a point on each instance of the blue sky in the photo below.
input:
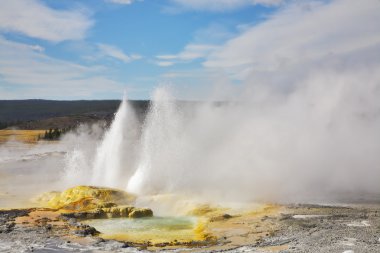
(94, 49)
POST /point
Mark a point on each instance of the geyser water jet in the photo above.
(116, 155)
(160, 128)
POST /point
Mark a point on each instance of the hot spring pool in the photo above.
(154, 229)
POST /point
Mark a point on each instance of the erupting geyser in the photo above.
(317, 140)
(161, 127)
(306, 144)
(116, 155)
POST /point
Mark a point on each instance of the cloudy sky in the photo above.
(95, 49)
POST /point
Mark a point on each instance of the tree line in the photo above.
(53, 134)
(5, 124)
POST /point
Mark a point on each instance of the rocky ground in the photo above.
(34, 230)
(294, 228)
(329, 229)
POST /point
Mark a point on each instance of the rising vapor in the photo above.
(299, 126)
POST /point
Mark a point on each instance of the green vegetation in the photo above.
(52, 134)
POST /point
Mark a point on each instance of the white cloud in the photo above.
(135, 57)
(205, 41)
(28, 73)
(117, 53)
(221, 5)
(37, 48)
(120, 1)
(191, 74)
(164, 63)
(167, 57)
(36, 20)
(195, 51)
(300, 34)
(214, 33)
(191, 52)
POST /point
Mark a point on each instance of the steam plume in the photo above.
(116, 155)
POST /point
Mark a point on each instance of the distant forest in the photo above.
(51, 114)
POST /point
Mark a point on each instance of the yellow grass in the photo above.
(28, 136)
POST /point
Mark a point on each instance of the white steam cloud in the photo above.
(305, 129)
(116, 155)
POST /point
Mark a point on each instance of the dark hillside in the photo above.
(45, 114)
(14, 110)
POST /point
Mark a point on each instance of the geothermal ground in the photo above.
(55, 222)
(291, 228)
(44, 210)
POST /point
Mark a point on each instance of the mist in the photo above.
(308, 143)
(308, 131)
(313, 139)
